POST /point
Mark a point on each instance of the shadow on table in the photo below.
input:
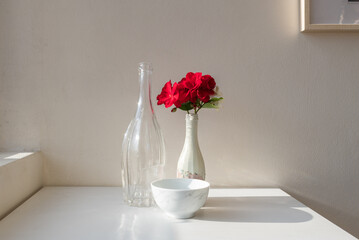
(253, 209)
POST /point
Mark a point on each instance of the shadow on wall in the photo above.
(253, 209)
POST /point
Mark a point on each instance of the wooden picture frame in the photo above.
(308, 26)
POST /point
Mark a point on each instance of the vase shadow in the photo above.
(281, 209)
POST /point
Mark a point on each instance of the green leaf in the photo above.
(215, 99)
(212, 103)
(174, 110)
(209, 105)
(186, 106)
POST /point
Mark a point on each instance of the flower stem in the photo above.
(199, 108)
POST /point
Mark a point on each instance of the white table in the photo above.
(86, 213)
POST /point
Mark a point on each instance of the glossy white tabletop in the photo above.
(89, 213)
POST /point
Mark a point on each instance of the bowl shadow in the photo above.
(281, 209)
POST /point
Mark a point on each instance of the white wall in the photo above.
(68, 86)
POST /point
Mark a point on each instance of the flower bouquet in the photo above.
(193, 93)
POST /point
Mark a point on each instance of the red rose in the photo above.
(206, 88)
(183, 93)
(193, 80)
(194, 88)
(189, 86)
(208, 82)
(169, 95)
(204, 94)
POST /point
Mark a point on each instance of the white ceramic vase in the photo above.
(190, 162)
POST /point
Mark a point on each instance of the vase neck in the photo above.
(191, 128)
(144, 105)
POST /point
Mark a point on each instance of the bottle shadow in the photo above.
(281, 209)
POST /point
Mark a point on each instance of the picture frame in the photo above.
(329, 15)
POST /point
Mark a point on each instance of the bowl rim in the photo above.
(180, 190)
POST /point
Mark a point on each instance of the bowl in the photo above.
(180, 197)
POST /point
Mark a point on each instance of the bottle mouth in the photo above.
(191, 116)
(145, 66)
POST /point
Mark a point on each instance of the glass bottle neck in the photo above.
(144, 105)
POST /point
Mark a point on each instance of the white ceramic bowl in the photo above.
(180, 197)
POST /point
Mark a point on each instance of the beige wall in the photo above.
(20, 177)
(68, 86)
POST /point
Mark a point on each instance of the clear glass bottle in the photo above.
(143, 150)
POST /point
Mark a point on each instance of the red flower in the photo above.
(188, 88)
(183, 93)
(193, 80)
(208, 82)
(194, 88)
(169, 95)
(204, 94)
(206, 89)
